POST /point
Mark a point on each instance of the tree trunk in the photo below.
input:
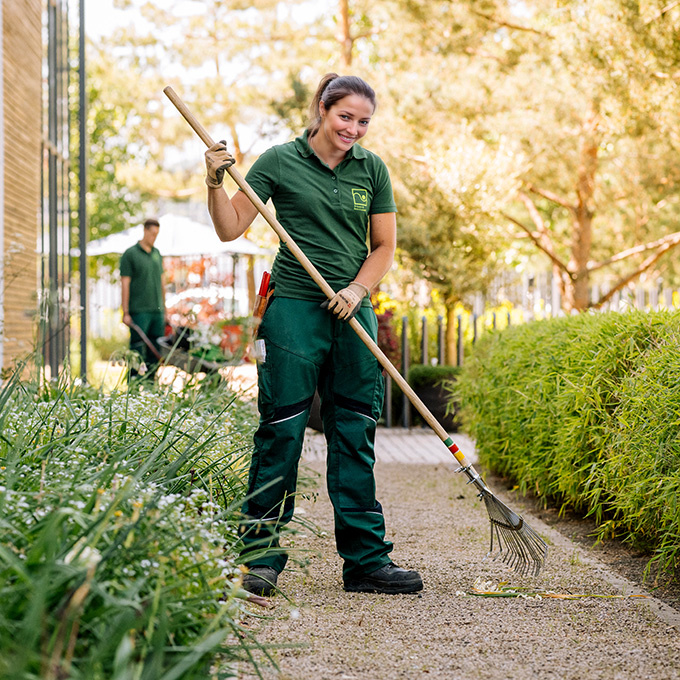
(451, 347)
(236, 152)
(577, 294)
(251, 282)
(344, 35)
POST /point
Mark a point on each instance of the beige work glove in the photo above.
(346, 302)
(217, 160)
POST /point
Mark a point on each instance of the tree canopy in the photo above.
(542, 127)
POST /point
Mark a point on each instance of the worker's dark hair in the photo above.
(331, 90)
(151, 222)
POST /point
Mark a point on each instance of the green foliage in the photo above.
(115, 201)
(291, 108)
(445, 237)
(424, 374)
(118, 541)
(239, 62)
(432, 384)
(391, 313)
(584, 411)
(510, 129)
(556, 118)
(105, 348)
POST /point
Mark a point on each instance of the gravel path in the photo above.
(440, 528)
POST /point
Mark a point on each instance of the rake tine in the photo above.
(524, 550)
(516, 554)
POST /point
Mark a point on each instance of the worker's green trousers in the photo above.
(305, 348)
(152, 325)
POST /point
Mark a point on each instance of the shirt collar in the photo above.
(302, 145)
(148, 252)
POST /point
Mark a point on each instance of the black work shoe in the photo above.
(260, 581)
(389, 579)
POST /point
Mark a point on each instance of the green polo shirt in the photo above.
(145, 271)
(326, 212)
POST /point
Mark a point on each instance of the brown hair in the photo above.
(331, 90)
(151, 222)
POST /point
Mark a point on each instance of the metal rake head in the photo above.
(517, 544)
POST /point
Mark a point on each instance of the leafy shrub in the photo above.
(118, 540)
(584, 411)
(433, 385)
(420, 375)
(387, 337)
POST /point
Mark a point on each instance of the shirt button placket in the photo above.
(336, 191)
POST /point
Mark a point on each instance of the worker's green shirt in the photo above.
(326, 212)
(145, 271)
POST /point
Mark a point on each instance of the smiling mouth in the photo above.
(344, 138)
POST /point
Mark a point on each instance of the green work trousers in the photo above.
(308, 348)
(153, 326)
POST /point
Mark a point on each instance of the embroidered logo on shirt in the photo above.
(360, 197)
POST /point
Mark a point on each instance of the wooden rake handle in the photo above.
(146, 341)
(321, 282)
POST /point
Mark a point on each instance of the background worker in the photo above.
(330, 194)
(143, 296)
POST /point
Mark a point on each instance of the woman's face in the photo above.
(346, 122)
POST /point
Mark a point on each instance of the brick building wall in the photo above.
(20, 98)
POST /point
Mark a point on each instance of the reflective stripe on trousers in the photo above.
(307, 348)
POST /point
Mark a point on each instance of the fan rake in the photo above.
(517, 544)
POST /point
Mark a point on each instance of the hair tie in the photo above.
(325, 89)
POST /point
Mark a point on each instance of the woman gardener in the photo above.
(329, 194)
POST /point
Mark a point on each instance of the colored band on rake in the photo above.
(451, 445)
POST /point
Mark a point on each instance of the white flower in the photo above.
(83, 555)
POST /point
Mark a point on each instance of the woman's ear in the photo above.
(322, 109)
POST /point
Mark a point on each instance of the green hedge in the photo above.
(585, 411)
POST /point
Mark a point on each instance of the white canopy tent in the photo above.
(178, 236)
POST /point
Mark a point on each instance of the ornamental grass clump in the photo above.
(642, 471)
(118, 539)
(583, 411)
